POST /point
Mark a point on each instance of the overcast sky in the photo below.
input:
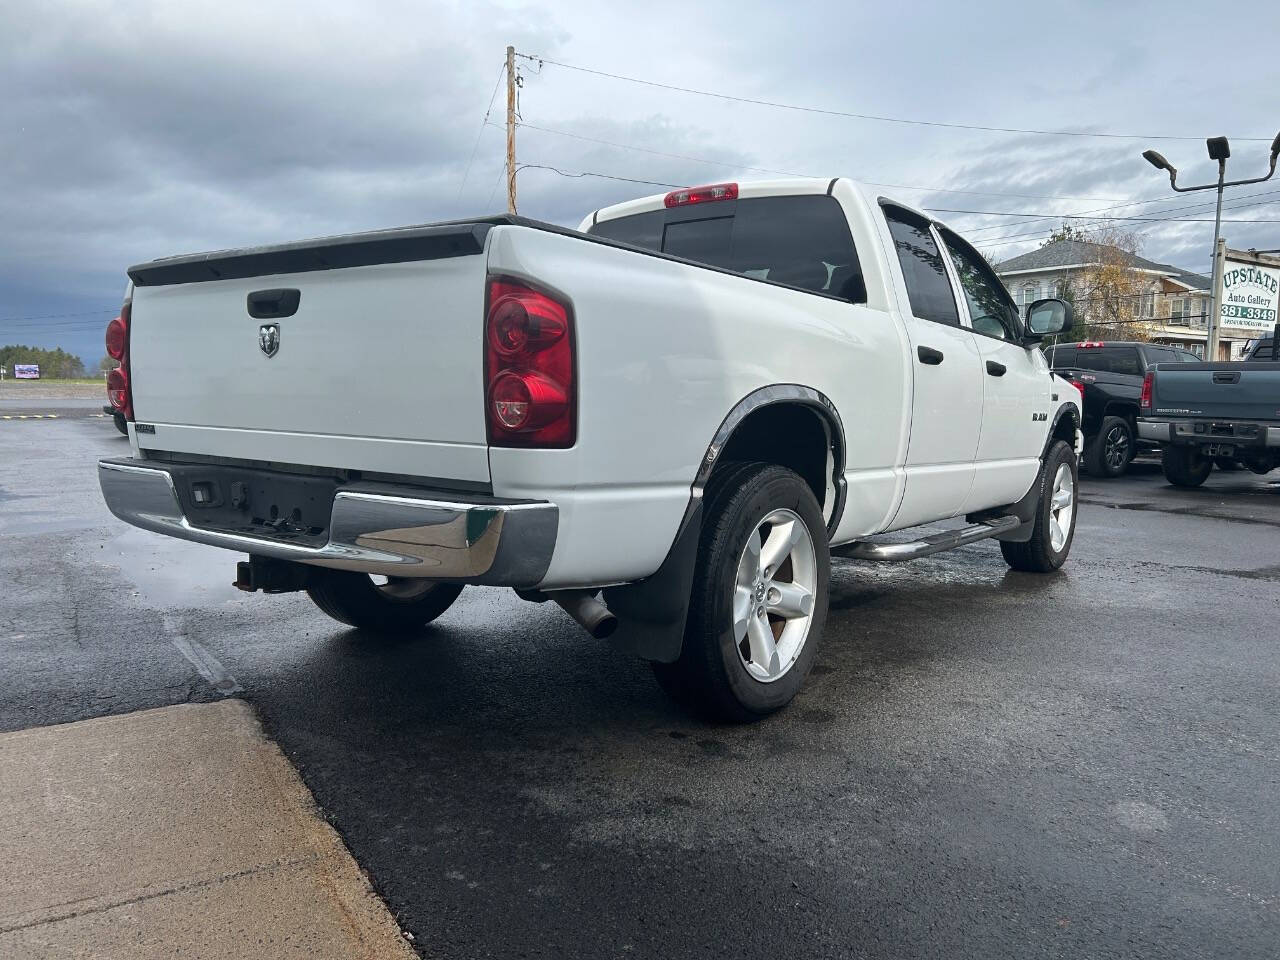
(135, 130)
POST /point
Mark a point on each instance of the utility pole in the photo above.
(511, 129)
(1219, 150)
(1219, 266)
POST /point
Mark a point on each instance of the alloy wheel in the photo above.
(773, 595)
(1062, 507)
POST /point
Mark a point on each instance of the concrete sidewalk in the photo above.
(174, 832)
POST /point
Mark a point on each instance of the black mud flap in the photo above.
(1025, 510)
(652, 612)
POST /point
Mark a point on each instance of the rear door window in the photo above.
(928, 286)
(1160, 355)
(802, 241)
(1122, 360)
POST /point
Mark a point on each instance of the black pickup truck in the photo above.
(1207, 413)
(1109, 374)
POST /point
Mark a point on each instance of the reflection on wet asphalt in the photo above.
(983, 764)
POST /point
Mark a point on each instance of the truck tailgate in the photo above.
(378, 369)
(1225, 391)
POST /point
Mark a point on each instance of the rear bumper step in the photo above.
(407, 534)
(926, 546)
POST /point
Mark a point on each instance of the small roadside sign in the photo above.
(1250, 294)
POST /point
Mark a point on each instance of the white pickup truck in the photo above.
(667, 420)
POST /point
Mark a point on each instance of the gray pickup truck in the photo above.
(1207, 413)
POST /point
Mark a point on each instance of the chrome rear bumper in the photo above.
(391, 533)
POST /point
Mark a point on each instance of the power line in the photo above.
(588, 173)
(1189, 206)
(865, 116)
(1081, 216)
(54, 316)
(790, 173)
(483, 123)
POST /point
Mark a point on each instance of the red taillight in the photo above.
(716, 191)
(119, 390)
(1090, 343)
(116, 333)
(528, 361)
(1144, 401)
(1079, 386)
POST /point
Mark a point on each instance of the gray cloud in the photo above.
(140, 129)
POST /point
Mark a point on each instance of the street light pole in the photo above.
(1220, 150)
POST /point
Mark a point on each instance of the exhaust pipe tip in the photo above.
(588, 611)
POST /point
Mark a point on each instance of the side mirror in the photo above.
(1048, 317)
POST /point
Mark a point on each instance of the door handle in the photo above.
(929, 355)
(272, 304)
(996, 369)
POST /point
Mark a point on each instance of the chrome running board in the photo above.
(926, 546)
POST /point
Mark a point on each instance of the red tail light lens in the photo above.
(1144, 401)
(116, 334)
(531, 395)
(716, 191)
(119, 390)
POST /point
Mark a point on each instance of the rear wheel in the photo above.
(1184, 467)
(1055, 523)
(121, 423)
(759, 598)
(395, 605)
(1110, 451)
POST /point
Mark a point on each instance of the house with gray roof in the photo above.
(1171, 304)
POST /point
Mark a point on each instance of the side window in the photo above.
(1062, 356)
(991, 311)
(1160, 355)
(1123, 360)
(926, 277)
(1187, 357)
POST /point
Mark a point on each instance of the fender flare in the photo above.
(782, 393)
(652, 612)
(1068, 409)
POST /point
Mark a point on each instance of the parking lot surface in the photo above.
(984, 763)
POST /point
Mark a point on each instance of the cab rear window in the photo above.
(802, 241)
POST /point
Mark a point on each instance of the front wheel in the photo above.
(1184, 467)
(759, 598)
(398, 605)
(1055, 522)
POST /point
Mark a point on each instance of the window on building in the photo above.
(1180, 311)
(1030, 294)
(1147, 304)
(928, 286)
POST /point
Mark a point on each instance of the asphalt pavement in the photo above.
(983, 763)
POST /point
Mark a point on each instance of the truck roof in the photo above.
(777, 187)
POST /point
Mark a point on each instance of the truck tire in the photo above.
(398, 606)
(121, 423)
(1111, 449)
(1055, 523)
(1184, 467)
(759, 598)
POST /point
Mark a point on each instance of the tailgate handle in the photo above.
(1227, 377)
(270, 304)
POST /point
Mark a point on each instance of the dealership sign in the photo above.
(26, 371)
(1250, 294)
